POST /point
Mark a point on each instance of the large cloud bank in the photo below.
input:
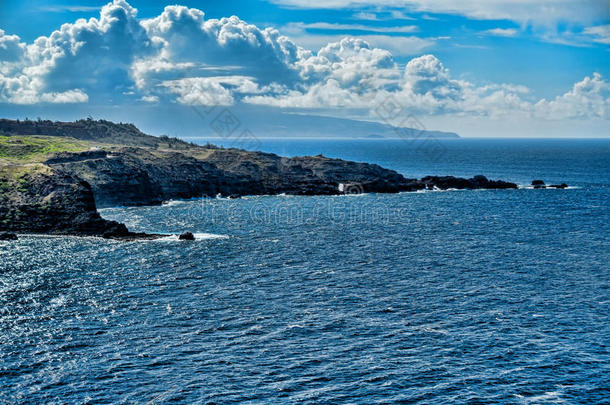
(181, 57)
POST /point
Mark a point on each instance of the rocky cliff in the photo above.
(39, 199)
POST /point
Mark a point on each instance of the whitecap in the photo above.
(440, 190)
(172, 203)
(350, 195)
(530, 187)
(210, 236)
(552, 396)
(58, 301)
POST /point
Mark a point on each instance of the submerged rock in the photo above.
(187, 236)
(562, 185)
(8, 236)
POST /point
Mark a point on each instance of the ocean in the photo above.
(487, 296)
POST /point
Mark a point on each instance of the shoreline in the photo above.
(54, 184)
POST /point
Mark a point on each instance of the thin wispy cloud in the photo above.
(398, 45)
(366, 16)
(70, 8)
(400, 15)
(356, 27)
(383, 16)
(502, 32)
(429, 17)
(600, 34)
(585, 38)
(540, 12)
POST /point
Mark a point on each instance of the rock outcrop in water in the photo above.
(186, 236)
(542, 184)
(101, 164)
(477, 182)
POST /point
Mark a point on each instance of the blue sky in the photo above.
(545, 63)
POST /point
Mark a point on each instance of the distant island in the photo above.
(271, 123)
(285, 125)
(54, 175)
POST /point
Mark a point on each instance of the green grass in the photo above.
(33, 148)
(16, 176)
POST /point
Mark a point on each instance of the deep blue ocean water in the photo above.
(435, 297)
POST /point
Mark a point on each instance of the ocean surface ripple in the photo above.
(465, 296)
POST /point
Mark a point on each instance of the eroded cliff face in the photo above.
(39, 199)
(127, 176)
(137, 176)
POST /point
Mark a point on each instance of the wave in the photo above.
(519, 187)
(530, 187)
(440, 190)
(180, 201)
(172, 203)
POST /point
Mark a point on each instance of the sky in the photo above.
(475, 67)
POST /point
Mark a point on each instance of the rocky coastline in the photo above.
(59, 192)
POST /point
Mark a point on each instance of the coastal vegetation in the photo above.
(34, 148)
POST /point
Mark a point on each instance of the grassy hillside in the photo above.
(35, 148)
(89, 130)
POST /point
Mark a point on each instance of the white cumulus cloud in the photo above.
(182, 57)
(86, 56)
(589, 98)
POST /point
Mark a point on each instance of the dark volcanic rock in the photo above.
(136, 176)
(46, 200)
(187, 236)
(483, 182)
(8, 236)
(354, 176)
(538, 184)
(562, 185)
(477, 182)
(62, 158)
